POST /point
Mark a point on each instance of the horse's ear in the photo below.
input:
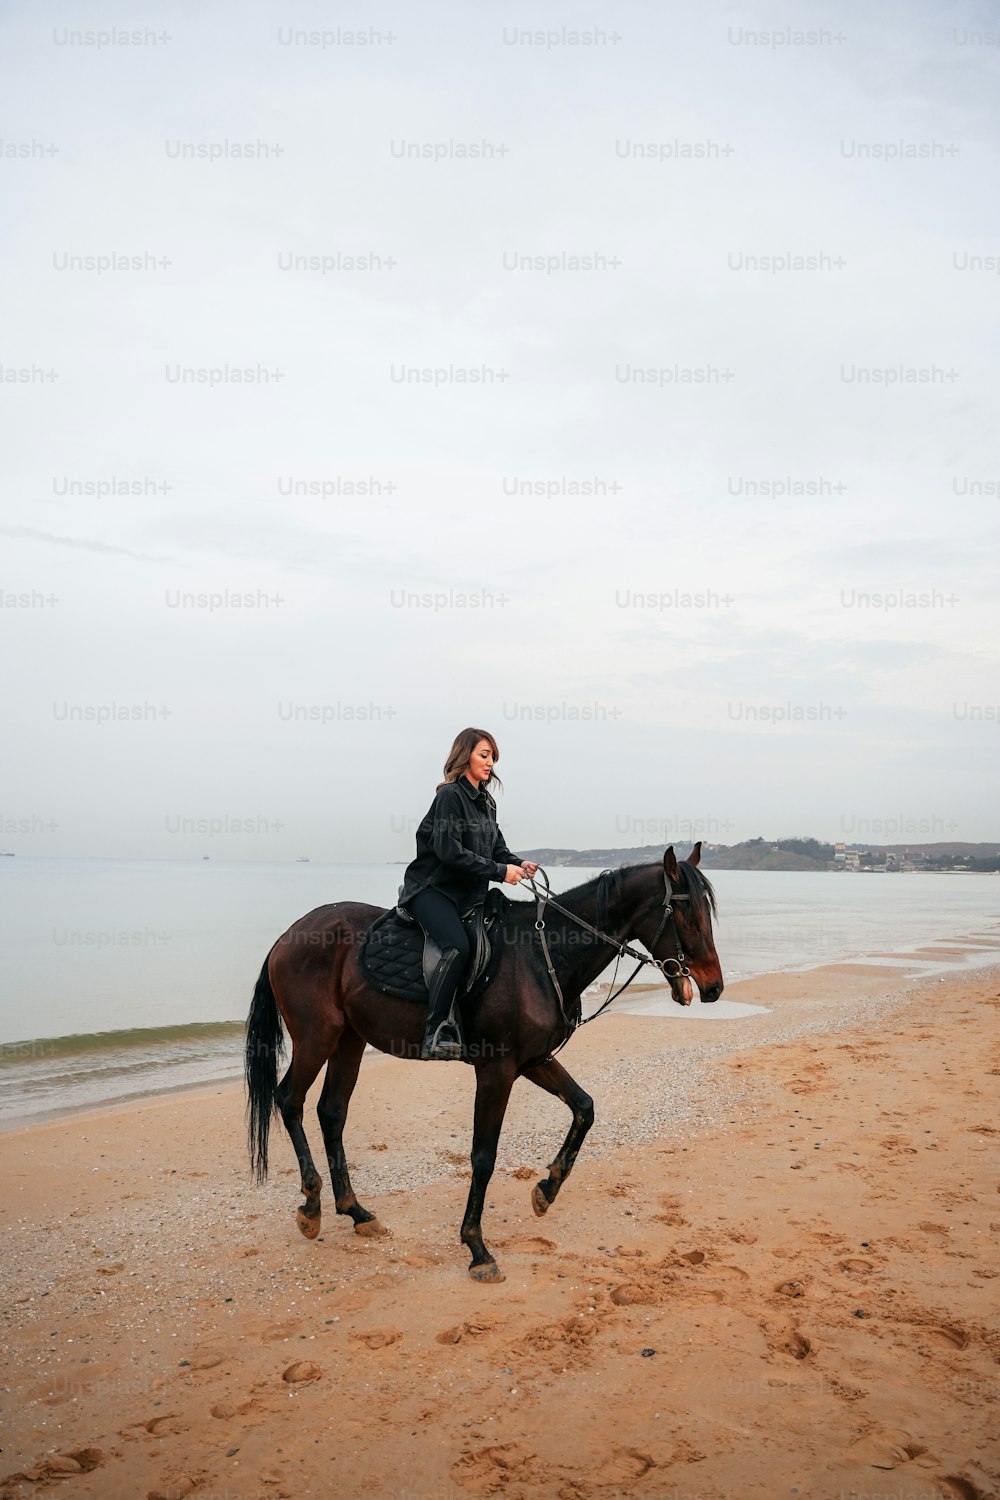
(670, 865)
(694, 858)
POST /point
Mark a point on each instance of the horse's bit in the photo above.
(679, 970)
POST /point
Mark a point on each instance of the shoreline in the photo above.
(650, 1000)
(840, 994)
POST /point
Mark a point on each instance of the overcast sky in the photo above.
(772, 612)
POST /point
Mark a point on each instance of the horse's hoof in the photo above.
(488, 1271)
(309, 1227)
(539, 1202)
(370, 1229)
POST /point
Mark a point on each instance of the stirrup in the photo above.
(443, 1048)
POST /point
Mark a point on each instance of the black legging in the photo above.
(439, 916)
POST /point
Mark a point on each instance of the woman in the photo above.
(460, 850)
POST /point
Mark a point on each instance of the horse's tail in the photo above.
(265, 1044)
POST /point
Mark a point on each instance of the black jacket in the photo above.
(460, 849)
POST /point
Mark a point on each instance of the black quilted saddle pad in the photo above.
(392, 952)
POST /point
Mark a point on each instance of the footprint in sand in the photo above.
(623, 1467)
(788, 1341)
(301, 1372)
(169, 1425)
(486, 1471)
(225, 1410)
(530, 1244)
(633, 1294)
(731, 1270)
(175, 1489)
(378, 1338)
(557, 1343)
(472, 1329)
(810, 1081)
(205, 1359)
(58, 1466)
(946, 1333)
(897, 1450)
(964, 1488)
(822, 1237)
(477, 1327)
(887, 1449)
(274, 1333)
(897, 1145)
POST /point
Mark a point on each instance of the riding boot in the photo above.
(443, 1040)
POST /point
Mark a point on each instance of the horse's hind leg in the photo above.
(553, 1078)
(290, 1096)
(341, 1076)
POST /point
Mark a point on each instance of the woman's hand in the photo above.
(529, 867)
(514, 874)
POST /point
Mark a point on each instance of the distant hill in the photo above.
(785, 854)
(756, 854)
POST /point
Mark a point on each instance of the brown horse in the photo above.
(312, 980)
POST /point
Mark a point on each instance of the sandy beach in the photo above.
(772, 1273)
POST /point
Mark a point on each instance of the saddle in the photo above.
(398, 958)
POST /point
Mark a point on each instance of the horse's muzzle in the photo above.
(681, 989)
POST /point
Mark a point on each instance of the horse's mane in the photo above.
(696, 886)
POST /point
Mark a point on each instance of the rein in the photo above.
(544, 897)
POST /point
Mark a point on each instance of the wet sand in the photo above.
(773, 1272)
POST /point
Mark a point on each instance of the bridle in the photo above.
(670, 968)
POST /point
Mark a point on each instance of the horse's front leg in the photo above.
(493, 1085)
(553, 1078)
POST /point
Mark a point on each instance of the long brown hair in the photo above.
(461, 753)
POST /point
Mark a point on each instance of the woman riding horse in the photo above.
(460, 850)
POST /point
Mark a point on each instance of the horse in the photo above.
(312, 980)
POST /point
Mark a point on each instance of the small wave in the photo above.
(40, 1049)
